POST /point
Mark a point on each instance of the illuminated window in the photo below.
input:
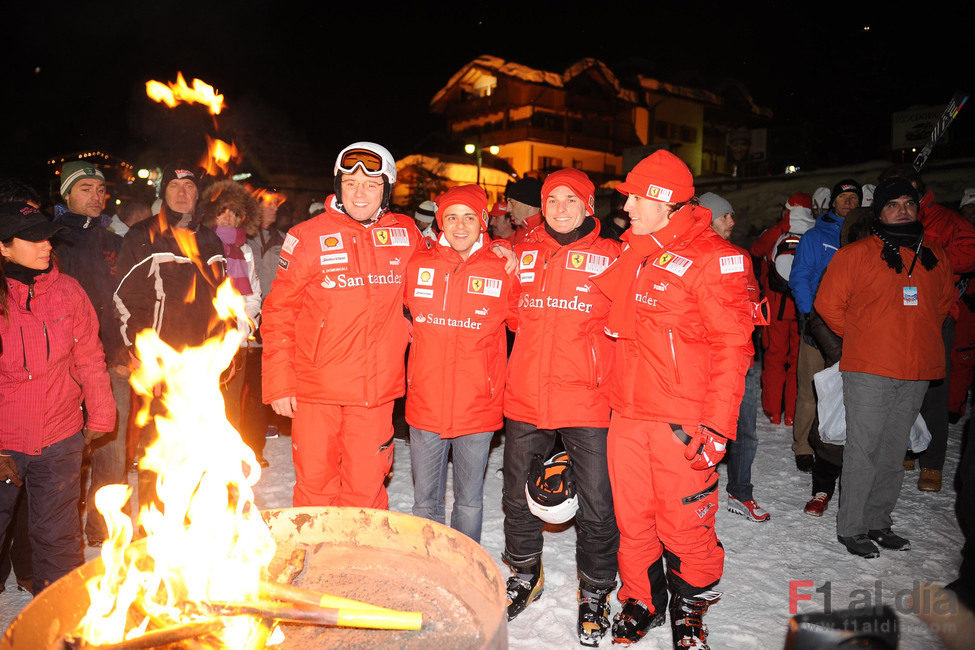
(548, 162)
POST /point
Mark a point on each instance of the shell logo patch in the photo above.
(659, 193)
(424, 277)
(528, 259)
(331, 241)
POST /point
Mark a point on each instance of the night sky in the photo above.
(328, 73)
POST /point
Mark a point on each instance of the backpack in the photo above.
(780, 262)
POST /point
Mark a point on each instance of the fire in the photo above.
(172, 94)
(207, 543)
(268, 197)
(219, 156)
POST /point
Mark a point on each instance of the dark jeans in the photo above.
(15, 550)
(108, 457)
(255, 414)
(597, 538)
(934, 409)
(51, 480)
(741, 451)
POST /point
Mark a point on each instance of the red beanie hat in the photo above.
(500, 208)
(799, 200)
(661, 176)
(576, 181)
(473, 196)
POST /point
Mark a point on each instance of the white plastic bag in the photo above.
(832, 412)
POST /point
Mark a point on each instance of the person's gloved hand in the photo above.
(8, 471)
(92, 435)
(706, 448)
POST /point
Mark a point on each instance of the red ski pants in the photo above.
(962, 361)
(663, 507)
(778, 382)
(342, 455)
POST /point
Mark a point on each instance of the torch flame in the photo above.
(208, 542)
(269, 197)
(172, 94)
(219, 156)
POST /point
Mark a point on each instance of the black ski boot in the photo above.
(633, 622)
(593, 613)
(687, 619)
(524, 587)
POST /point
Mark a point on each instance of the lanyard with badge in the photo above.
(910, 293)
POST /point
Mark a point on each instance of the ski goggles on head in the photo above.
(370, 162)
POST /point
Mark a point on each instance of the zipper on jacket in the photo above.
(23, 348)
(30, 294)
(318, 340)
(673, 355)
(595, 365)
(446, 289)
(47, 341)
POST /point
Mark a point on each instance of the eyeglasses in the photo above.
(370, 162)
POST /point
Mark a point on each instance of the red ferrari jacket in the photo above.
(456, 370)
(51, 362)
(333, 325)
(948, 229)
(521, 232)
(683, 318)
(561, 354)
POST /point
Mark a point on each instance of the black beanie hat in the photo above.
(890, 189)
(179, 170)
(846, 185)
(528, 190)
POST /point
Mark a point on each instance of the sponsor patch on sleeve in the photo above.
(528, 259)
(484, 286)
(732, 264)
(283, 263)
(289, 244)
(332, 242)
(588, 262)
(424, 277)
(674, 263)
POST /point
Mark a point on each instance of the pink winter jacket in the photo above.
(51, 363)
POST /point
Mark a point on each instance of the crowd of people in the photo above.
(603, 349)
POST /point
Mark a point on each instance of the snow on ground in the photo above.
(761, 559)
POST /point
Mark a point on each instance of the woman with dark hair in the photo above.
(51, 365)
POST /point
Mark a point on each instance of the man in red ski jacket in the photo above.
(335, 335)
(555, 374)
(458, 295)
(682, 318)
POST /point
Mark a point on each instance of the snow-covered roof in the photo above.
(498, 66)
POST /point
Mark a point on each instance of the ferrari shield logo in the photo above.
(477, 285)
(665, 258)
(382, 236)
(577, 259)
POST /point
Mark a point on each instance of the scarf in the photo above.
(565, 238)
(232, 239)
(909, 235)
(23, 274)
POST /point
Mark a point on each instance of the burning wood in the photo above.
(173, 93)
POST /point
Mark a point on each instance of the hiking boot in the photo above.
(748, 509)
(889, 539)
(860, 545)
(929, 480)
(633, 621)
(687, 619)
(523, 588)
(593, 613)
(909, 465)
(804, 463)
(817, 505)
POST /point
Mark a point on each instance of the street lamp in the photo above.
(476, 149)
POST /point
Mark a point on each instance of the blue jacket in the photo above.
(815, 250)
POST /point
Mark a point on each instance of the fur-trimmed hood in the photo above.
(230, 194)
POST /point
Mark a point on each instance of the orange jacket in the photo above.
(561, 354)
(333, 324)
(683, 316)
(521, 232)
(455, 373)
(866, 303)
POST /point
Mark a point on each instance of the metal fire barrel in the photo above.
(389, 559)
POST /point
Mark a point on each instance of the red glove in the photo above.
(706, 448)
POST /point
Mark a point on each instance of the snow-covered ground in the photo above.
(761, 559)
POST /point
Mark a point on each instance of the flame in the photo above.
(208, 541)
(172, 94)
(269, 197)
(219, 156)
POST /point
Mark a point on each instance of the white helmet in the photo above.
(371, 158)
(551, 489)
